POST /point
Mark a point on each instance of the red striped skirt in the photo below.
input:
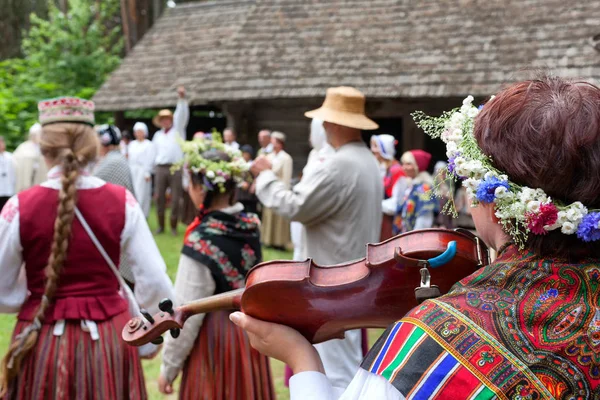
(73, 366)
(223, 365)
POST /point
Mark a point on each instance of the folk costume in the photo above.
(79, 353)
(220, 246)
(417, 209)
(523, 327)
(275, 227)
(392, 172)
(141, 163)
(346, 186)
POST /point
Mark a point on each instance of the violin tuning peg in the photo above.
(147, 315)
(174, 332)
(158, 340)
(166, 305)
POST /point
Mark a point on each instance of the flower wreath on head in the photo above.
(215, 173)
(521, 210)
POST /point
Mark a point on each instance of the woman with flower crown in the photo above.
(213, 355)
(58, 258)
(528, 325)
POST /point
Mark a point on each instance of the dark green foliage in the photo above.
(68, 54)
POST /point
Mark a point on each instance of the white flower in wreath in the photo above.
(574, 215)
(534, 206)
(472, 184)
(502, 193)
(468, 100)
(210, 174)
(451, 150)
(472, 112)
(219, 179)
(527, 194)
(569, 228)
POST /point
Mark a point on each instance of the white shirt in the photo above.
(311, 385)
(166, 145)
(8, 178)
(147, 265)
(233, 145)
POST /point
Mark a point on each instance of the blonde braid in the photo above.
(26, 340)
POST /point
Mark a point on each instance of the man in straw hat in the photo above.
(339, 202)
(168, 152)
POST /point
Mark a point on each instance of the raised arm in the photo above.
(181, 116)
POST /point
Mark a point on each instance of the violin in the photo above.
(322, 302)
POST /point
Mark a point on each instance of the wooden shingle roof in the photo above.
(248, 49)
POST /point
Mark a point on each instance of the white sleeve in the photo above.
(194, 281)
(13, 284)
(390, 206)
(152, 283)
(149, 157)
(181, 117)
(365, 386)
(313, 199)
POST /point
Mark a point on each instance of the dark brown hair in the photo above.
(545, 133)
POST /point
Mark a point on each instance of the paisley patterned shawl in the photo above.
(522, 328)
(228, 244)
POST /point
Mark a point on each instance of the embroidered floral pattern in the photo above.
(10, 210)
(130, 199)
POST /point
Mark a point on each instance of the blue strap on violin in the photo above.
(445, 257)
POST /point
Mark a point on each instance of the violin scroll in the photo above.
(140, 331)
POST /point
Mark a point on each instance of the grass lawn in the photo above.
(170, 247)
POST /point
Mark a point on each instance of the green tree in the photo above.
(67, 54)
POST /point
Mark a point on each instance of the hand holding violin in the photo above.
(280, 342)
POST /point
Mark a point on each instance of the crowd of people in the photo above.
(78, 258)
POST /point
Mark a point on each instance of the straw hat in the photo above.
(344, 106)
(161, 114)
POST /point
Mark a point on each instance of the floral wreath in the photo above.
(521, 210)
(215, 172)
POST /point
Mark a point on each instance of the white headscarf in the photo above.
(140, 126)
(386, 144)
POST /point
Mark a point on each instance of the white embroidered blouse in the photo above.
(137, 243)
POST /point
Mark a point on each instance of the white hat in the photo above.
(386, 144)
(140, 126)
(279, 136)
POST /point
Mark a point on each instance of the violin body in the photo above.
(322, 302)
